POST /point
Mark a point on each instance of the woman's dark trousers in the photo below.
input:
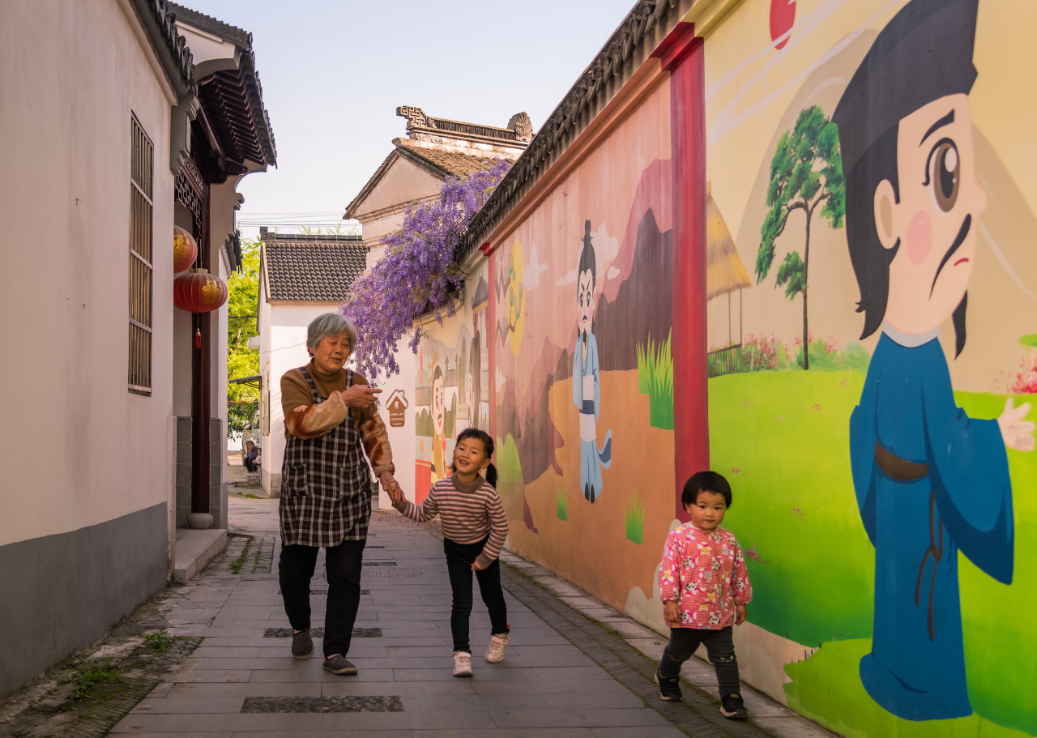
(250, 466)
(459, 560)
(343, 566)
(720, 647)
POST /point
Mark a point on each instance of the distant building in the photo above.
(414, 172)
(300, 277)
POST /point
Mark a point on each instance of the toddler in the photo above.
(474, 526)
(705, 589)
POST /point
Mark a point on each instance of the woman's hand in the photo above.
(672, 612)
(360, 396)
(741, 614)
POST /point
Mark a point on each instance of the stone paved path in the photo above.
(546, 688)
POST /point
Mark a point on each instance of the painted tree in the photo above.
(806, 172)
(418, 272)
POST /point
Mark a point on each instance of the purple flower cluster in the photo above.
(417, 273)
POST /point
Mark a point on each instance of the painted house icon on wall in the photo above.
(397, 406)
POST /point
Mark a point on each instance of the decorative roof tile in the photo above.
(301, 267)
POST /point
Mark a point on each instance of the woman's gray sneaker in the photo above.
(302, 644)
(338, 664)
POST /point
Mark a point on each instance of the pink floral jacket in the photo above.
(704, 572)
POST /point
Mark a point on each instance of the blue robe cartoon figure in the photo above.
(930, 481)
(919, 466)
(586, 383)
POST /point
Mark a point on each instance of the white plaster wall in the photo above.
(83, 450)
(405, 181)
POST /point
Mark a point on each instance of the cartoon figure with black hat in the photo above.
(930, 481)
(587, 377)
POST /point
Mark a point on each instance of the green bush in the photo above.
(655, 379)
(634, 518)
(562, 502)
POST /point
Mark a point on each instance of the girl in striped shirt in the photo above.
(474, 528)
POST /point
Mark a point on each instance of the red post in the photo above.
(688, 141)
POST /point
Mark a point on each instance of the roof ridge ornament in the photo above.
(416, 117)
(522, 126)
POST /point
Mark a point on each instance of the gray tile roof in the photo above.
(301, 267)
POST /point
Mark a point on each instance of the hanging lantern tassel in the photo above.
(198, 338)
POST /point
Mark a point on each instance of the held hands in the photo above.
(672, 612)
(741, 614)
(1016, 432)
(390, 485)
(360, 396)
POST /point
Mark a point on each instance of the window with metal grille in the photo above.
(142, 160)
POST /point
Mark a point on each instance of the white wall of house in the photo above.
(84, 450)
(85, 468)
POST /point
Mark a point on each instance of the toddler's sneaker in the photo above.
(669, 687)
(462, 664)
(733, 708)
(495, 651)
(339, 664)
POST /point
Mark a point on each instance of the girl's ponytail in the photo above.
(487, 442)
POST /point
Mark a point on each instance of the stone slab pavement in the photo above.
(547, 687)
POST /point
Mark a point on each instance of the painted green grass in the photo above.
(562, 501)
(782, 440)
(634, 519)
(655, 379)
(827, 688)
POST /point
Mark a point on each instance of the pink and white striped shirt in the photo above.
(469, 513)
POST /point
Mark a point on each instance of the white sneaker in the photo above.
(462, 664)
(495, 651)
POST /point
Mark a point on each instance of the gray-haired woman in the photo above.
(329, 415)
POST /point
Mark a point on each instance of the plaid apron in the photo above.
(325, 485)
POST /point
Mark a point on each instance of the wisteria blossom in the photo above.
(417, 274)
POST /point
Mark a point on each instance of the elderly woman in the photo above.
(329, 415)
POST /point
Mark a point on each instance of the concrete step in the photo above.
(194, 550)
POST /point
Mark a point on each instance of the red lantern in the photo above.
(185, 249)
(199, 292)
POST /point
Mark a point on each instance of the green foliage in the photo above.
(423, 424)
(242, 306)
(655, 379)
(806, 173)
(239, 562)
(825, 357)
(159, 641)
(509, 467)
(562, 503)
(1029, 340)
(105, 672)
(634, 518)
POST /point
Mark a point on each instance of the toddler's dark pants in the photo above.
(720, 647)
(344, 562)
(459, 559)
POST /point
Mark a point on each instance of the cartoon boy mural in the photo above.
(930, 481)
(438, 418)
(586, 377)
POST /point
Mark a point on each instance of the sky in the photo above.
(334, 72)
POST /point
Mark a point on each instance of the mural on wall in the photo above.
(919, 461)
(452, 384)
(583, 385)
(866, 158)
(586, 384)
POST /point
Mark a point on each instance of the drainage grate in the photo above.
(379, 563)
(322, 704)
(324, 591)
(319, 632)
(367, 547)
(390, 574)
